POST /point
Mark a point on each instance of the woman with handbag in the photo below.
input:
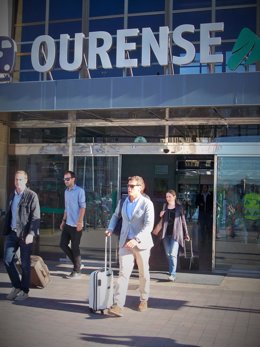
(174, 230)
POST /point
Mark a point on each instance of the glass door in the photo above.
(99, 176)
(238, 213)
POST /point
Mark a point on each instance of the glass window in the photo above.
(150, 21)
(62, 74)
(29, 76)
(118, 134)
(235, 20)
(193, 68)
(194, 18)
(154, 69)
(106, 8)
(60, 9)
(38, 135)
(33, 11)
(30, 32)
(187, 4)
(235, 2)
(70, 28)
(110, 25)
(99, 177)
(26, 62)
(99, 73)
(238, 213)
(137, 6)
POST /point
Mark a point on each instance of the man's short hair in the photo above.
(72, 173)
(139, 181)
(22, 172)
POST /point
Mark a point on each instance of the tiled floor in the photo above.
(222, 312)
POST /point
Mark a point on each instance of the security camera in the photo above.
(166, 150)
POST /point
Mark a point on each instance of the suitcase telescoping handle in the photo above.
(191, 248)
(106, 246)
(191, 252)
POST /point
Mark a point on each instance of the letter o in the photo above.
(48, 56)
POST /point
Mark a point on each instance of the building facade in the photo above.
(165, 89)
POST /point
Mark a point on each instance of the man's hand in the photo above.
(187, 238)
(162, 213)
(29, 239)
(131, 243)
(79, 226)
(108, 233)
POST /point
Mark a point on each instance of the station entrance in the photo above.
(186, 174)
(232, 177)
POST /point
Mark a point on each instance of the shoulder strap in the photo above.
(121, 202)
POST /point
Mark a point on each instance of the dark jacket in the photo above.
(180, 230)
(28, 215)
(205, 208)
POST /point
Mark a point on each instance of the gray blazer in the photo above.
(141, 223)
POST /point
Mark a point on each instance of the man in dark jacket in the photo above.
(22, 224)
(205, 203)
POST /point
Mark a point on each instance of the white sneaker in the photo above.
(172, 278)
(21, 296)
(13, 293)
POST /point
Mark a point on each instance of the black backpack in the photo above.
(117, 229)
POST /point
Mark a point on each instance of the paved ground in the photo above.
(197, 310)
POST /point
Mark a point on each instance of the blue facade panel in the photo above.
(132, 92)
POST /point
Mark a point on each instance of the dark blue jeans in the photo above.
(12, 243)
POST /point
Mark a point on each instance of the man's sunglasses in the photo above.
(67, 179)
(133, 185)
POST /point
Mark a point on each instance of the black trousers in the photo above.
(70, 234)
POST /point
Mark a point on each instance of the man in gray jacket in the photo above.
(135, 243)
(22, 224)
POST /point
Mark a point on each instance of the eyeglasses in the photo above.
(67, 179)
(133, 185)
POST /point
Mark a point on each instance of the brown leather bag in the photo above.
(158, 228)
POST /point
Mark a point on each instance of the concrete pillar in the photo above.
(6, 17)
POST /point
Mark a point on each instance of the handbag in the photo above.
(158, 227)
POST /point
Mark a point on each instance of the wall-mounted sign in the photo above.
(7, 57)
(87, 51)
(100, 43)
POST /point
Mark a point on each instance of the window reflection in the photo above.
(238, 213)
(99, 177)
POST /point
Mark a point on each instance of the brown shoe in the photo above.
(142, 306)
(116, 310)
